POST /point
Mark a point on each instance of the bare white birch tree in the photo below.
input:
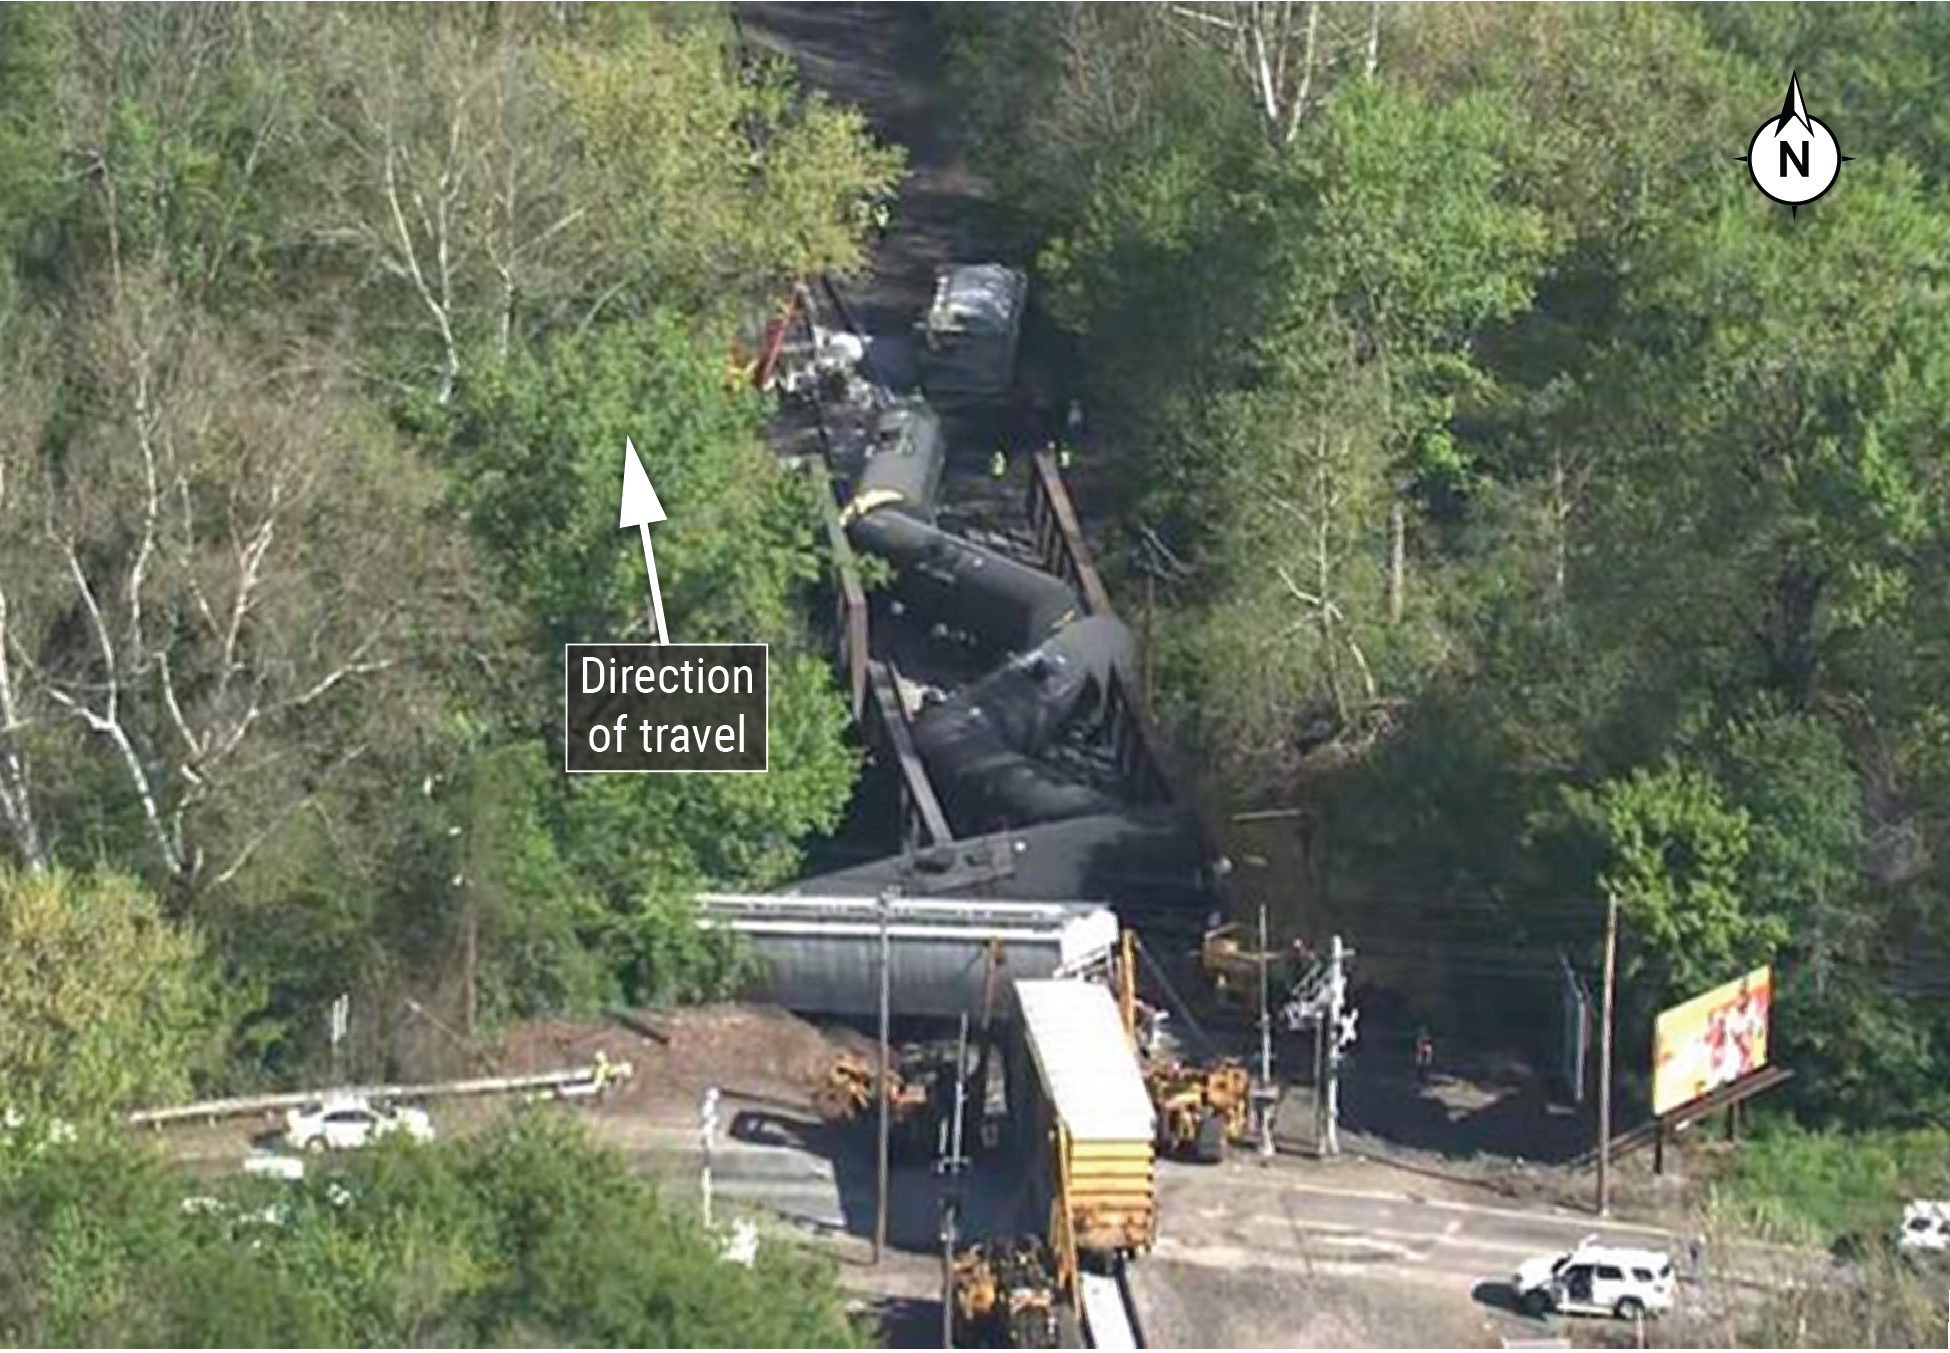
(231, 558)
(1286, 52)
(23, 423)
(458, 189)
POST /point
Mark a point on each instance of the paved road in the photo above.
(825, 1182)
(1296, 1217)
(1291, 1217)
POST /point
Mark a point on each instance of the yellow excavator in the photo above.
(845, 1096)
(1201, 1108)
(1005, 1294)
(1233, 970)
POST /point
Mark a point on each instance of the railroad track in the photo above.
(1108, 1319)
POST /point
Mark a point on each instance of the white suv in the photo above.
(346, 1124)
(1597, 1279)
(1926, 1228)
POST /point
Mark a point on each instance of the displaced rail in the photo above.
(1106, 1310)
(574, 1083)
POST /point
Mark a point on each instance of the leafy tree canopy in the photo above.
(104, 1002)
(522, 1235)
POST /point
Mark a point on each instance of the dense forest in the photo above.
(1531, 508)
(321, 332)
(1547, 513)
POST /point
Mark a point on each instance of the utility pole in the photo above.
(472, 961)
(341, 1019)
(1604, 1054)
(952, 1167)
(1266, 1092)
(882, 1082)
(1336, 994)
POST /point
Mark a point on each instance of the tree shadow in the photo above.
(994, 1197)
(1475, 1108)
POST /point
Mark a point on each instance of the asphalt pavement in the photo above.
(1294, 1216)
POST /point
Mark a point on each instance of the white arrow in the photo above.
(640, 508)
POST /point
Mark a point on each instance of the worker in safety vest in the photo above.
(603, 1071)
(882, 215)
(999, 464)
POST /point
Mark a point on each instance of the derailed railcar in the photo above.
(970, 331)
(982, 744)
(1087, 1123)
(942, 577)
(898, 464)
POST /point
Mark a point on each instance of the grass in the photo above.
(1814, 1187)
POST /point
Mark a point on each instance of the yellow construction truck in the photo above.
(1085, 1113)
(1201, 1109)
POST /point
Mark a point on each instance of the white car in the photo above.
(1596, 1279)
(347, 1124)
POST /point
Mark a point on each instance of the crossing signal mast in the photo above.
(1322, 1003)
(1339, 1033)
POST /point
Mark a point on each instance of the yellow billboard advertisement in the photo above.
(1710, 1041)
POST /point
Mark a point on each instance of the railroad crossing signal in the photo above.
(1345, 1032)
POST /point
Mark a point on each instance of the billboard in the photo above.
(1710, 1041)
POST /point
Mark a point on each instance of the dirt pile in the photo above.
(742, 1049)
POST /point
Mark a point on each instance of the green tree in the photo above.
(725, 185)
(1874, 66)
(1382, 246)
(1511, 452)
(262, 579)
(1813, 365)
(1672, 851)
(33, 53)
(521, 1235)
(537, 446)
(1842, 1028)
(104, 1002)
